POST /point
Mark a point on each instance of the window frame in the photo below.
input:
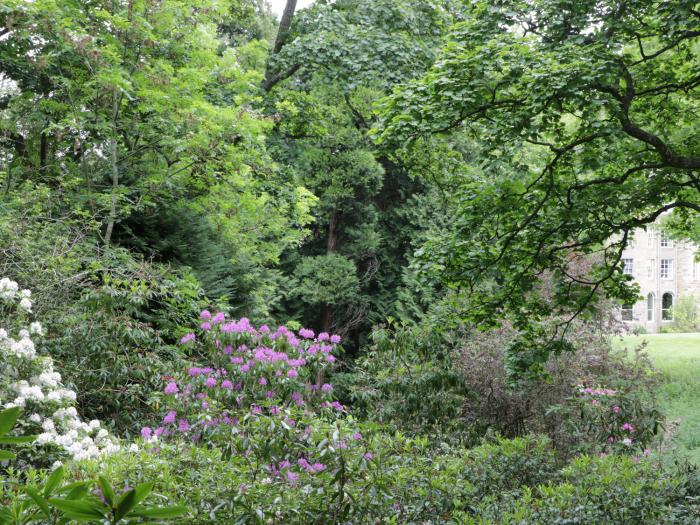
(664, 317)
(669, 269)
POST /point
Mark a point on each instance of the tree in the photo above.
(582, 116)
(343, 57)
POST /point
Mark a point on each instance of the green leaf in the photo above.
(7, 419)
(143, 490)
(160, 512)
(107, 490)
(14, 440)
(39, 500)
(53, 481)
(78, 510)
(5, 455)
(126, 503)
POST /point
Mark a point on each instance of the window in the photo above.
(666, 269)
(650, 239)
(650, 307)
(665, 241)
(628, 266)
(667, 307)
(627, 313)
(650, 267)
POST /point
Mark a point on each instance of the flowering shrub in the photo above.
(613, 420)
(261, 396)
(28, 380)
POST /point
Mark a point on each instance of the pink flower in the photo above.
(616, 409)
(227, 385)
(171, 388)
(368, 456)
(628, 427)
(210, 382)
(262, 381)
(205, 326)
(187, 338)
(205, 315)
(183, 425)
(327, 388)
(218, 318)
(323, 336)
(306, 333)
(335, 339)
(292, 476)
(146, 432)
(357, 436)
(170, 417)
(292, 373)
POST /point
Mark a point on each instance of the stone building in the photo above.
(666, 271)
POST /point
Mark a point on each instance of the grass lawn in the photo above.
(678, 358)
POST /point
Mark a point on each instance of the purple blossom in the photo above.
(160, 431)
(205, 326)
(183, 425)
(187, 338)
(292, 373)
(205, 315)
(146, 432)
(210, 382)
(264, 329)
(306, 333)
(262, 381)
(327, 388)
(171, 388)
(170, 417)
(335, 339)
(368, 456)
(219, 317)
(357, 436)
(323, 336)
(227, 385)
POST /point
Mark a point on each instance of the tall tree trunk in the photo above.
(43, 151)
(331, 246)
(273, 76)
(115, 173)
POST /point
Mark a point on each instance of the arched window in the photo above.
(627, 313)
(667, 307)
(650, 307)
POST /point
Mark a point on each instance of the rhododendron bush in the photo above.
(261, 394)
(28, 380)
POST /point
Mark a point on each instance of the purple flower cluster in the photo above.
(259, 379)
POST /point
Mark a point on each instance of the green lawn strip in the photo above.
(677, 356)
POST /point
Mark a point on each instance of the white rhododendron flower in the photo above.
(29, 381)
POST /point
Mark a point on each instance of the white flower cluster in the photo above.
(30, 382)
(10, 290)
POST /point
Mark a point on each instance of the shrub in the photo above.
(455, 384)
(28, 381)
(612, 489)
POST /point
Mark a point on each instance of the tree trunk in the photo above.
(115, 173)
(331, 245)
(272, 77)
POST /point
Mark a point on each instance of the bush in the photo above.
(608, 490)
(455, 384)
(28, 381)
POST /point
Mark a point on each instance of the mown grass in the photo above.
(677, 356)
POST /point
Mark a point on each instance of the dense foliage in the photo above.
(445, 187)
